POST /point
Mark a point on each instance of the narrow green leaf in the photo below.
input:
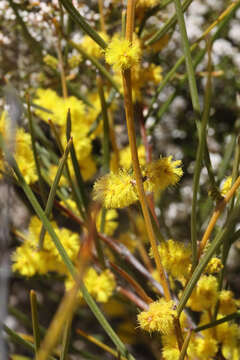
(235, 170)
(76, 167)
(202, 142)
(67, 261)
(170, 99)
(35, 322)
(106, 135)
(212, 324)
(98, 119)
(227, 156)
(152, 11)
(79, 20)
(188, 58)
(213, 247)
(27, 322)
(66, 340)
(174, 69)
(53, 190)
(75, 191)
(34, 45)
(169, 24)
(24, 319)
(36, 159)
(185, 346)
(20, 341)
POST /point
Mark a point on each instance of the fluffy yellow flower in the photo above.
(51, 61)
(24, 156)
(69, 240)
(203, 348)
(228, 334)
(74, 61)
(146, 3)
(176, 258)
(170, 350)
(115, 190)
(58, 108)
(125, 158)
(152, 73)
(162, 173)
(111, 222)
(3, 122)
(88, 168)
(214, 266)
(49, 100)
(226, 186)
(23, 151)
(159, 317)
(205, 294)
(227, 303)
(100, 286)
(91, 47)
(28, 260)
(122, 54)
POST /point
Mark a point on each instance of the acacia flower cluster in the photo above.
(176, 258)
(23, 151)
(118, 241)
(118, 190)
(100, 286)
(122, 54)
(226, 186)
(159, 317)
(28, 260)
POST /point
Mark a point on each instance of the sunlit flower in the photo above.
(115, 190)
(227, 303)
(214, 266)
(205, 294)
(122, 54)
(91, 47)
(162, 173)
(159, 317)
(125, 158)
(175, 257)
(100, 286)
(203, 348)
(51, 61)
(226, 186)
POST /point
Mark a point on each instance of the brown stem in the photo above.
(128, 104)
(119, 248)
(102, 22)
(132, 297)
(219, 209)
(126, 75)
(140, 291)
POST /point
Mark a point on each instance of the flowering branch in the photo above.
(127, 89)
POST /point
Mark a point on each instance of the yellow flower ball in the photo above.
(122, 54)
(159, 317)
(205, 294)
(162, 173)
(115, 190)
